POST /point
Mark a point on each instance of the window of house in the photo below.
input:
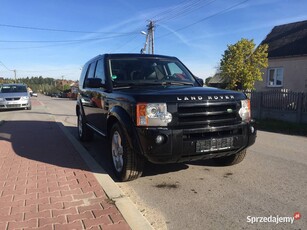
(275, 77)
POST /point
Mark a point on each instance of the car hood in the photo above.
(179, 94)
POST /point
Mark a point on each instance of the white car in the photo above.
(14, 96)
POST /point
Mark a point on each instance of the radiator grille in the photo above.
(12, 98)
(212, 114)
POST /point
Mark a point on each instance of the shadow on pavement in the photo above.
(41, 141)
(44, 141)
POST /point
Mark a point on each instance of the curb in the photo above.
(126, 207)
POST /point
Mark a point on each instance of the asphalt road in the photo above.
(270, 184)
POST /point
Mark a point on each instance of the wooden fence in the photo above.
(279, 104)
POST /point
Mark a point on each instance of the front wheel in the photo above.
(127, 164)
(232, 159)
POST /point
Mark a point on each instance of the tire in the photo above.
(127, 164)
(84, 132)
(232, 159)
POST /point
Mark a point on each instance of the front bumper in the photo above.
(180, 145)
(18, 104)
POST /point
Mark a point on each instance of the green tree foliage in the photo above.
(242, 64)
(39, 84)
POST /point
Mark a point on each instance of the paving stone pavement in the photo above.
(47, 185)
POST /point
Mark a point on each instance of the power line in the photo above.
(60, 41)
(13, 70)
(184, 9)
(124, 44)
(60, 30)
(33, 71)
(50, 70)
(5, 66)
(39, 47)
(206, 18)
(171, 10)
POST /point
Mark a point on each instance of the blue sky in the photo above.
(55, 38)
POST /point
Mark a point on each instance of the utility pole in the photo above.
(15, 75)
(149, 38)
(151, 29)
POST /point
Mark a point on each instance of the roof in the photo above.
(136, 55)
(128, 55)
(287, 40)
(217, 79)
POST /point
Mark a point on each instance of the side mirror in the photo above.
(200, 81)
(93, 83)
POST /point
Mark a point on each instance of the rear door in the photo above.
(87, 95)
(98, 98)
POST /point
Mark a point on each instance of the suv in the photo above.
(151, 107)
(14, 96)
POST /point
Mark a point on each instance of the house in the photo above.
(287, 57)
(218, 81)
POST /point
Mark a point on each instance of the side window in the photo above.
(83, 75)
(91, 70)
(174, 69)
(100, 71)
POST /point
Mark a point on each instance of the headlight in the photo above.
(152, 114)
(245, 111)
(25, 98)
(1, 99)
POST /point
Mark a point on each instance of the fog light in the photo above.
(160, 139)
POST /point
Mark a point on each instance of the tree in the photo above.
(242, 64)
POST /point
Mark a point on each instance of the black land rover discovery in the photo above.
(151, 107)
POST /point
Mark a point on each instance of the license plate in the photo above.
(214, 144)
(13, 102)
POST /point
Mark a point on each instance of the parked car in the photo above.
(33, 94)
(152, 108)
(14, 96)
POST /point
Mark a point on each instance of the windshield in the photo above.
(13, 89)
(140, 71)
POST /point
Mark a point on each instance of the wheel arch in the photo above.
(78, 107)
(118, 114)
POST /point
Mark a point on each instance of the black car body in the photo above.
(151, 107)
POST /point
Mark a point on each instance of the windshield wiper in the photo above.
(176, 83)
(132, 84)
(149, 83)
